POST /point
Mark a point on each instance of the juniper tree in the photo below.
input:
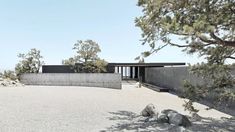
(30, 62)
(204, 27)
(86, 58)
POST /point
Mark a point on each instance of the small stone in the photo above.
(138, 85)
(149, 110)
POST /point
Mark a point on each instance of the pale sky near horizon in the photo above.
(53, 26)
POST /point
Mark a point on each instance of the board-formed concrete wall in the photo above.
(107, 80)
(167, 77)
(170, 77)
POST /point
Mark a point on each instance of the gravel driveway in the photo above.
(60, 109)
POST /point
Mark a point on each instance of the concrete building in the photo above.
(128, 71)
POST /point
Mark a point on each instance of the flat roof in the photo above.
(147, 64)
(136, 64)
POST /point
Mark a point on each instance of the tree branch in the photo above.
(207, 40)
(232, 10)
(222, 42)
(231, 57)
(178, 45)
(159, 48)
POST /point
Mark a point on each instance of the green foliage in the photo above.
(205, 27)
(86, 50)
(189, 106)
(29, 63)
(70, 61)
(219, 82)
(8, 74)
(192, 92)
(200, 24)
(87, 59)
(96, 66)
(218, 85)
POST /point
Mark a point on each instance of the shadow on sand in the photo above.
(130, 121)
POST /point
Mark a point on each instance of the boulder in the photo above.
(178, 119)
(162, 118)
(149, 111)
(167, 116)
(151, 119)
(166, 111)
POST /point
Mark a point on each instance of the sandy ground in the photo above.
(84, 109)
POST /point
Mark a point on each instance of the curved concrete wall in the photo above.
(107, 80)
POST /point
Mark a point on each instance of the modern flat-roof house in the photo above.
(134, 71)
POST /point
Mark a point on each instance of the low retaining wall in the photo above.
(170, 77)
(173, 77)
(106, 80)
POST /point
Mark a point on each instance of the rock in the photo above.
(138, 85)
(166, 111)
(149, 110)
(178, 119)
(3, 84)
(163, 119)
(152, 119)
(177, 129)
(1, 79)
(13, 82)
(10, 83)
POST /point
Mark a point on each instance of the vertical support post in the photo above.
(131, 72)
(126, 72)
(122, 72)
(136, 72)
(117, 69)
(142, 74)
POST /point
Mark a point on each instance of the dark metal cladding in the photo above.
(57, 69)
(110, 67)
(147, 64)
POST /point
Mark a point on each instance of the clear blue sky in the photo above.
(53, 26)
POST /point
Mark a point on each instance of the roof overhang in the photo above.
(146, 64)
